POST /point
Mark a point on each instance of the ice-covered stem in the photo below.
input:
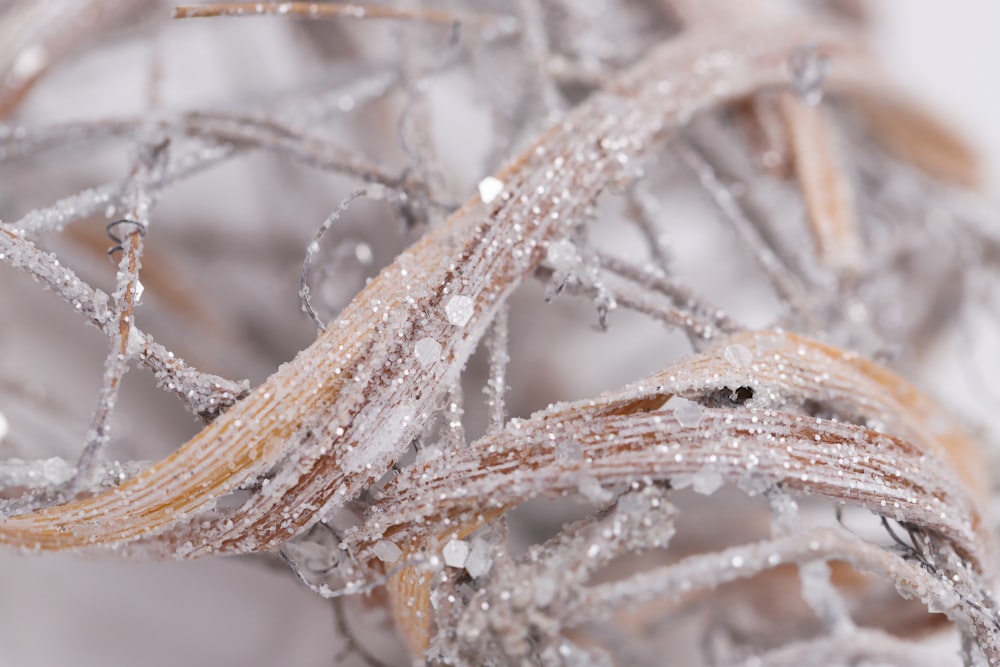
(128, 233)
(517, 609)
(342, 10)
(761, 448)
(204, 394)
(711, 570)
(859, 646)
(496, 385)
(53, 472)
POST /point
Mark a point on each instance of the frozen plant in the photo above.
(749, 434)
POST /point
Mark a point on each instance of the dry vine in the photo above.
(354, 460)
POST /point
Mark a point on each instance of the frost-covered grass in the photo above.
(677, 381)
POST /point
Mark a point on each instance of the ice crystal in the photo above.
(455, 553)
(489, 189)
(459, 310)
(427, 351)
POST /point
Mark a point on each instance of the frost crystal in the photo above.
(479, 560)
(562, 255)
(455, 553)
(387, 551)
(687, 413)
(490, 188)
(706, 482)
(427, 351)
(4, 427)
(459, 310)
(738, 355)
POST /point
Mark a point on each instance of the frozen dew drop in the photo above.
(459, 310)
(738, 355)
(562, 255)
(387, 551)
(455, 553)
(490, 188)
(687, 413)
(808, 68)
(427, 351)
(479, 560)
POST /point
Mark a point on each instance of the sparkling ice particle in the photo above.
(387, 551)
(455, 553)
(479, 560)
(562, 255)
(490, 188)
(687, 413)
(459, 310)
(738, 355)
(427, 350)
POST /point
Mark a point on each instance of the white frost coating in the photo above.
(34, 474)
(687, 413)
(455, 553)
(569, 451)
(135, 342)
(459, 310)
(562, 255)
(706, 482)
(382, 443)
(427, 351)
(592, 490)
(490, 188)
(387, 551)
(479, 560)
(738, 355)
